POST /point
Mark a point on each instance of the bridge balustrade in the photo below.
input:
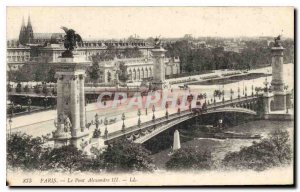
(185, 114)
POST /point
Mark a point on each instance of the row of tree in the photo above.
(42, 72)
(254, 54)
(27, 153)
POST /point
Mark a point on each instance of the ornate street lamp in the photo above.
(123, 126)
(220, 125)
(214, 99)
(252, 87)
(106, 131)
(178, 103)
(266, 84)
(139, 120)
(97, 121)
(45, 102)
(243, 88)
(245, 91)
(231, 93)
(12, 109)
(256, 91)
(29, 102)
(223, 93)
(239, 92)
(10, 123)
(153, 110)
(167, 113)
(146, 111)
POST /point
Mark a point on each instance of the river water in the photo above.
(219, 147)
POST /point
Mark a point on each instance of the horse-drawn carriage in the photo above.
(184, 86)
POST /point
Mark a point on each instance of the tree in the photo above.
(37, 89)
(51, 75)
(94, 71)
(23, 151)
(26, 88)
(190, 158)
(132, 52)
(270, 152)
(8, 87)
(67, 158)
(122, 72)
(45, 89)
(19, 88)
(126, 156)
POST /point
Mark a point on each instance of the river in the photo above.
(219, 147)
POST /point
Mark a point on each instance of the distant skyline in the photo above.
(168, 22)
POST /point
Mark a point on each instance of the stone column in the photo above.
(59, 104)
(75, 117)
(158, 67)
(277, 68)
(70, 100)
(277, 78)
(82, 103)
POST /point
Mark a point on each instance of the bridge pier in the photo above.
(159, 82)
(71, 123)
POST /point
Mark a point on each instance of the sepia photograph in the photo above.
(150, 96)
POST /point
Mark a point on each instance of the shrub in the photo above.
(190, 158)
(270, 152)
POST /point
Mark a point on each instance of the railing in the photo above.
(182, 116)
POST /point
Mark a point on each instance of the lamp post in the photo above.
(239, 92)
(85, 104)
(243, 88)
(29, 104)
(214, 99)
(245, 91)
(10, 123)
(139, 120)
(106, 131)
(123, 126)
(223, 94)
(45, 102)
(252, 87)
(167, 113)
(10, 117)
(266, 84)
(97, 121)
(153, 110)
(178, 103)
(231, 93)
(12, 109)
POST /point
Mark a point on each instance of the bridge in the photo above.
(147, 130)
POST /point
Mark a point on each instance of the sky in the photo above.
(121, 22)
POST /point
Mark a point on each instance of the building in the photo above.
(36, 48)
(137, 69)
(16, 55)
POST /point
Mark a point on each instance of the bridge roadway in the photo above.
(151, 128)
